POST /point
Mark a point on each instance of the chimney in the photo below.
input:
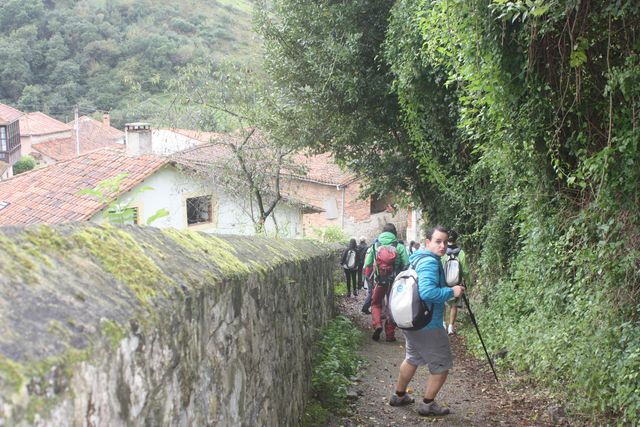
(106, 120)
(137, 138)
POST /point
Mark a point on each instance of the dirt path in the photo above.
(471, 392)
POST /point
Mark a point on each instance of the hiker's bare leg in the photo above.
(434, 384)
(453, 314)
(407, 370)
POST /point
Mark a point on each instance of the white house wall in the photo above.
(164, 141)
(170, 190)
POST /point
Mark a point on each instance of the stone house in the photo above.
(326, 185)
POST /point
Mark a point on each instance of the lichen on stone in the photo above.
(124, 258)
(112, 331)
(15, 262)
(218, 251)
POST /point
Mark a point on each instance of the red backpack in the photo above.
(385, 261)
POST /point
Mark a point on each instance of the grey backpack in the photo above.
(408, 311)
(452, 269)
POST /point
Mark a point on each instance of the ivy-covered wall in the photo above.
(140, 326)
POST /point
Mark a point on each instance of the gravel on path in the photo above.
(471, 392)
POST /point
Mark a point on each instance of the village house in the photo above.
(10, 148)
(166, 141)
(37, 127)
(324, 185)
(151, 183)
(49, 140)
(87, 135)
(5, 170)
(338, 192)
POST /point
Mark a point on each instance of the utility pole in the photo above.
(77, 127)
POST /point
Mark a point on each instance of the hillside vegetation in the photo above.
(113, 55)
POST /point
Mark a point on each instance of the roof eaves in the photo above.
(130, 185)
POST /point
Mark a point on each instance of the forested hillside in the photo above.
(515, 123)
(113, 55)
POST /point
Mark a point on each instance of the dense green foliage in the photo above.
(336, 88)
(112, 55)
(334, 365)
(519, 122)
(25, 163)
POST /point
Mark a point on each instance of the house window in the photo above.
(198, 210)
(330, 208)
(3, 138)
(123, 216)
(379, 204)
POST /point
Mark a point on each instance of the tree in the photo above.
(253, 161)
(336, 90)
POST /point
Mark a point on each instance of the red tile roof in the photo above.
(9, 114)
(94, 129)
(50, 194)
(320, 168)
(93, 135)
(38, 123)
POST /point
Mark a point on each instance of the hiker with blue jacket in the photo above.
(429, 345)
(385, 258)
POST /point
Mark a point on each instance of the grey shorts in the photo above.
(429, 347)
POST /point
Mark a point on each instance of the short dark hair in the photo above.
(352, 244)
(453, 236)
(439, 227)
(390, 228)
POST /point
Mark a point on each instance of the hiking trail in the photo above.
(471, 391)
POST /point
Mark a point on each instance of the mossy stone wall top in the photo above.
(77, 294)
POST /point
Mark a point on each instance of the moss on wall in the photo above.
(211, 247)
(125, 259)
(74, 292)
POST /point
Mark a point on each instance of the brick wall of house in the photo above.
(358, 220)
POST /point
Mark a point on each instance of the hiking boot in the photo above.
(431, 409)
(365, 311)
(376, 334)
(400, 401)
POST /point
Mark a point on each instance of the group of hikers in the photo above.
(376, 266)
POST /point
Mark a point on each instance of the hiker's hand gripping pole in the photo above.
(473, 320)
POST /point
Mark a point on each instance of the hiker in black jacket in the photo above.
(361, 250)
(349, 263)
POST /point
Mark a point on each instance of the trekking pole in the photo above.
(473, 320)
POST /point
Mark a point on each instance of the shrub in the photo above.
(331, 234)
(26, 163)
(334, 364)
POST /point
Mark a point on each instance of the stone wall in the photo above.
(103, 326)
